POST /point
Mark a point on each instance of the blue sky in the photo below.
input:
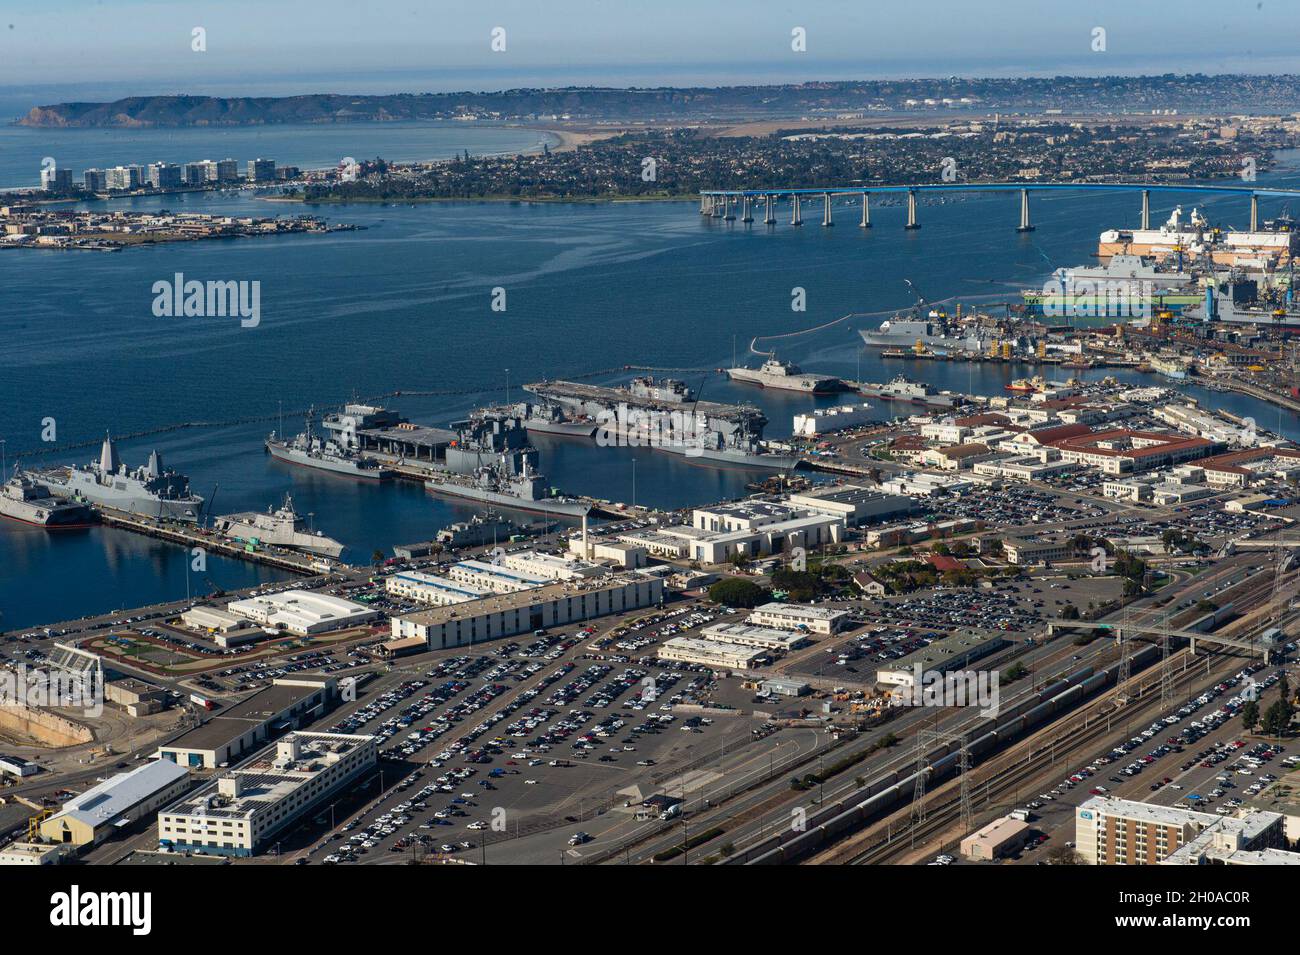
(279, 46)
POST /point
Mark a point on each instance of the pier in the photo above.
(214, 543)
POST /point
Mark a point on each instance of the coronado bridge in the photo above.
(724, 203)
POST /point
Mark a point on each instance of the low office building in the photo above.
(432, 589)
(115, 803)
(212, 620)
(765, 638)
(999, 838)
(242, 811)
(1025, 553)
(32, 853)
(17, 766)
(823, 620)
(711, 653)
(855, 505)
(552, 566)
(494, 578)
(135, 696)
(941, 656)
(302, 612)
(784, 686)
(1111, 831)
(243, 726)
(507, 615)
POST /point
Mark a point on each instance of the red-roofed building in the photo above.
(943, 563)
(1121, 450)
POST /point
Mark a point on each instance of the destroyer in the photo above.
(904, 389)
(785, 376)
(311, 451)
(23, 499)
(282, 527)
(150, 491)
(510, 483)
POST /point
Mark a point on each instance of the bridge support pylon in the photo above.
(795, 218)
(866, 211)
(1254, 212)
(1025, 225)
(826, 210)
(1146, 209)
(768, 217)
(747, 215)
(911, 211)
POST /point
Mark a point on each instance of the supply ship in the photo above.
(150, 491)
(282, 527)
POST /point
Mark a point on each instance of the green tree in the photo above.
(1069, 612)
(737, 592)
(1249, 715)
(1277, 719)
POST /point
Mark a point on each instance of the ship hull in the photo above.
(804, 385)
(876, 340)
(164, 509)
(56, 518)
(483, 495)
(711, 457)
(571, 429)
(346, 469)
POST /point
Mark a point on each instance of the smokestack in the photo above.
(586, 554)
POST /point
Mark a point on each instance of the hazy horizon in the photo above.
(143, 47)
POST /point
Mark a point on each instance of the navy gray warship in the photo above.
(150, 491)
(282, 527)
(666, 415)
(509, 482)
(23, 499)
(786, 376)
(935, 331)
(325, 454)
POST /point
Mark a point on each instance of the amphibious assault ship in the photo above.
(150, 491)
(282, 527)
(23, 499)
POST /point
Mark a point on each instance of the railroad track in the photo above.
(1020, 765)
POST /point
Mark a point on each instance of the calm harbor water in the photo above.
(405, 305)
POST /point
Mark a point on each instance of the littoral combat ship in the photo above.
(786, 376)
(23, 499)
(150, 491)
(282, 527)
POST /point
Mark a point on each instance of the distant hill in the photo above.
(1145, 94)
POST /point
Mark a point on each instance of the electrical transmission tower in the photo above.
(925, 741)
